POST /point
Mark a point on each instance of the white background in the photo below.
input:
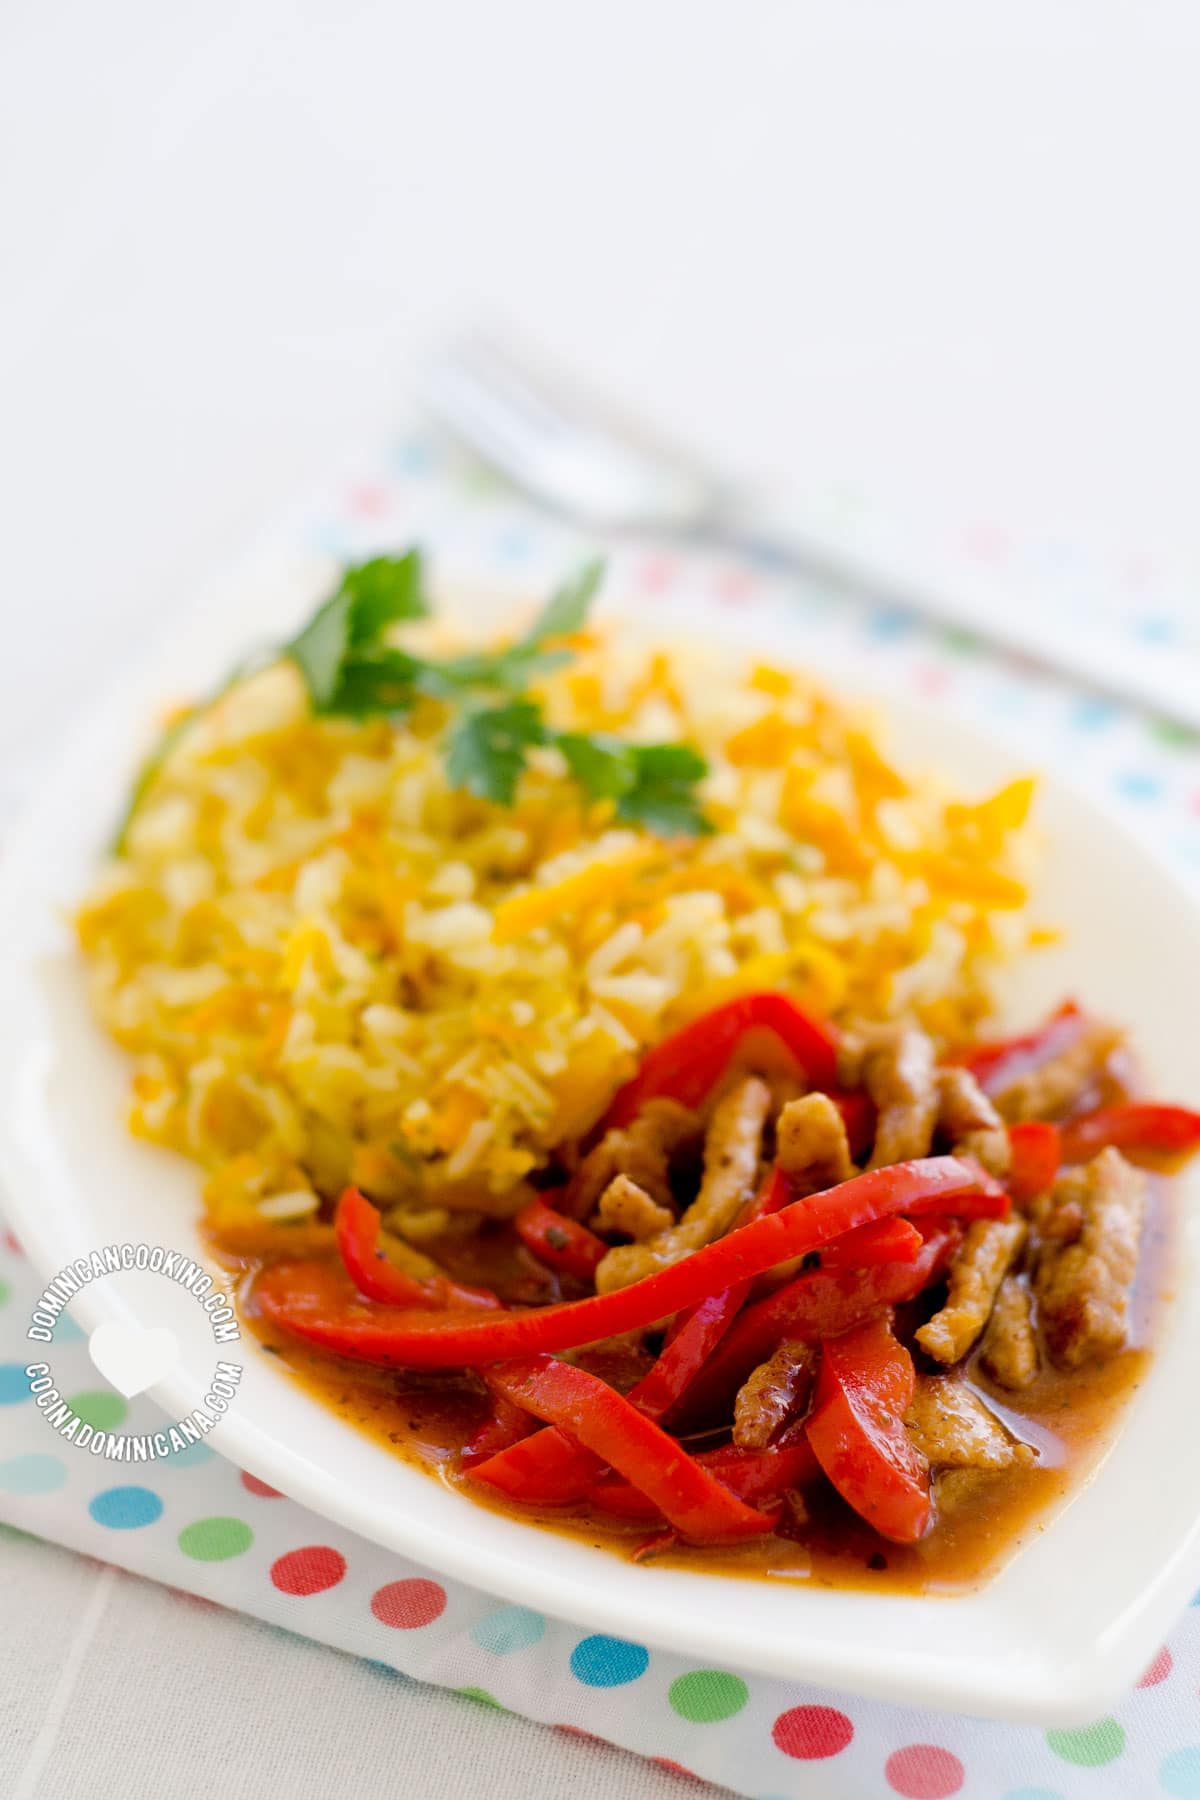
(944, 255)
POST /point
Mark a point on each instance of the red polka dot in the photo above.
(924, 1772)
(735, 587)
(657, 574)
(407, 1605)
(810, 1732)
(12, 1244)
(1159, 1669)
(674, 1768)
(253, 1485)
(931, 681)
(578, 1731)
(308, 1571)
(368, 500)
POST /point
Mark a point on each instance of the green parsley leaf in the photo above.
(373, 595)
(566, 612)
(662, 797)
(601, 764)
(487, 750)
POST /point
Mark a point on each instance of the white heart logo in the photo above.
(131, 1358)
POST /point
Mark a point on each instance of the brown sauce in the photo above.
(1069, 1417)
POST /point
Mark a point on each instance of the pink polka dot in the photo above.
(253, 1485)
(930, 681)
(811, 1732)
(368, 500)
(986, 541)
(407, 1605)
(12, 1244)
(308, 1571)
(1159, 1669)
(735, 587)
(657, 574)
(924, 1772)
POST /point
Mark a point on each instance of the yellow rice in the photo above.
(329, 966)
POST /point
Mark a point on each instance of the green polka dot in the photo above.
(1100, 1743)
(708, 1694)
(483, 1697)
(1174, 736)
(100, 1408)
(5, 1293)
(959, 642)
(215, 1540)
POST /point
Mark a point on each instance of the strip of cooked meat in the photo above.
(770, 1395)
(1082, 1288)
(627, 1208)
(953, 1429)
(986, 1254)
(897, 1070)
(971, 1122)
(642, 1150)
(811, 1145)
(731, 1156)
(1010, 1352)
(1048, 1091)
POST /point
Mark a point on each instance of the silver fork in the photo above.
(578, 458)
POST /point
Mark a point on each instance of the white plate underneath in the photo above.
(1065, 1625)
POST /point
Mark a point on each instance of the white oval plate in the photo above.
(1068, 1623)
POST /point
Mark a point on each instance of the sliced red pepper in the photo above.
(883, 1241)
(357, 1224)
(859, 1115)
(299, 1297)
(1036, 1154)
(756, 1476)
(688, 1496)
(998, 1062)
(1137, 1127)
(559, 1242)
(822, 1304)
(857, 1433)
(504, 1426)
(688, 1065)
(550, 1471)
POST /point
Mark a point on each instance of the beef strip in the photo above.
(767, 1398)
(628, 1208)
(1051, 1090)
(731, 1156)
(642, 1151)
(953, 1429)
(1010, 1352)
(1082, 1288)
(987, 1252)
(811, 1145)
(971, 1122)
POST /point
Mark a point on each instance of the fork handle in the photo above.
(1017, 615)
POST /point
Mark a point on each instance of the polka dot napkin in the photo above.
(199, 1524)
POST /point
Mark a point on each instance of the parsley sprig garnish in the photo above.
(353, 669)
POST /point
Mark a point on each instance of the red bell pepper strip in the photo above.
(999, 1061)
(561, 1243)
(756, 1476)
(550, 1471)
(822, 1304)
(300, 1298)
(859, 1114)
(1138, 1128)
(883, 1241)
(857, 1432)
(688, 1065)
(357, 1223)
(691, 1499)
(1036, 1154)
(504, 1426)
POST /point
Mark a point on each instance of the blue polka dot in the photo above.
(126, 1508)
(514, 545)
(1179, 1773)
(66, 1331)
(382, 1668)
(608, 1662)
(1156, 630)
(413, 457)
(1093, 714)
(191, 1458)
(891, 622)
(14, 1384)
(1138, 784)
(32, 1475)
(512, 1628)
